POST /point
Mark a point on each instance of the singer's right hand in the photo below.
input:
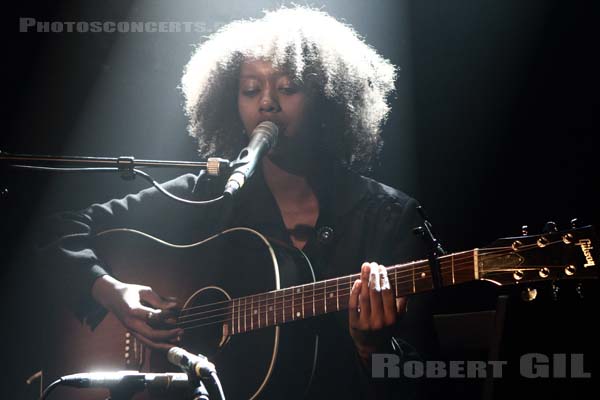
(139, 309)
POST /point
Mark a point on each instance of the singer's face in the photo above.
(267, 94)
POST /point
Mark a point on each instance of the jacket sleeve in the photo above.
(66, 255)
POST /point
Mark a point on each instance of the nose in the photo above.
(269, 102)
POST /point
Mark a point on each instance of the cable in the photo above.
(50, 388)
(134, 171)
(215, 383)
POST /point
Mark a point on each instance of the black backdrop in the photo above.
(493, 125)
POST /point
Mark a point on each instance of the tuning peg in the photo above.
(555, 290)
(550, 227)
(528, 294)
(574, 223)
(524, 230)
(579, 290)
(418, 231)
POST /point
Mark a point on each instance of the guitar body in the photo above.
(237, 263)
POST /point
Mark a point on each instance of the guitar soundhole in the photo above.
(206, 318)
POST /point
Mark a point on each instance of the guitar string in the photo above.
(287, 295)
(284, 308)
(424, 266)
(324, 285)
(287, 317)
(321, 291)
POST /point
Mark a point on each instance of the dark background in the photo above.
(493, 125)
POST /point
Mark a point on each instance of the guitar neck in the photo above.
(318, 298)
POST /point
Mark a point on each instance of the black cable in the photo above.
(135, 171)
(50, 388)
(168, 194)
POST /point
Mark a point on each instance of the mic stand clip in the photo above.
(434, 246)
(199, 391)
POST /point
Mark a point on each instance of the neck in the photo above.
(284, 185)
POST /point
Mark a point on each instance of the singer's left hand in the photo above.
(371, 328)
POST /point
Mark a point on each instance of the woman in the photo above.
(327, 92)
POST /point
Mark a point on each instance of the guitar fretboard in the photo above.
(277, 307)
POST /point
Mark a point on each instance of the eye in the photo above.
(289, 89)
(250, 92)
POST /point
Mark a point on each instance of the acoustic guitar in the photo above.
(243, 297)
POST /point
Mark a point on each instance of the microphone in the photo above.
(263, 138)
(133, 380)
(197, 366)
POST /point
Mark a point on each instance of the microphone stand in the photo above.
(127, 166)
(199, 391)
(123, 163)
(125, 391)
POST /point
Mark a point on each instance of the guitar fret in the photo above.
(290, 304)
(325, 296)
(245, 313)
(299, 291)
(252, 313)
(259, 301)
(275, 308)
(232, 317)
(452, 266)
(302, 302)
(267, 309)
(239, 314)
(313, 298)
(396, 280)
(337, 294)
(284, 305)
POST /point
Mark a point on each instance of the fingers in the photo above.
(375, 298)
(150, 325)
(353, 304)
(376, 318)
(388, 300)
(363, 298)
(149, 296)
(155, 338)
(163, 311)
(144, 313)
(147, 331)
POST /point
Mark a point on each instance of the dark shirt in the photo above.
(359, 220)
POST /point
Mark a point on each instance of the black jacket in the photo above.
(360, 220)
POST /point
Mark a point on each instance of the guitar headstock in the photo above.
(555, 255)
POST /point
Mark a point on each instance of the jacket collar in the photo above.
(338, 189)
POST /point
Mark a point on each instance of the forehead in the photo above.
(260, 69)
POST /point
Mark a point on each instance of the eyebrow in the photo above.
(252, 76)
